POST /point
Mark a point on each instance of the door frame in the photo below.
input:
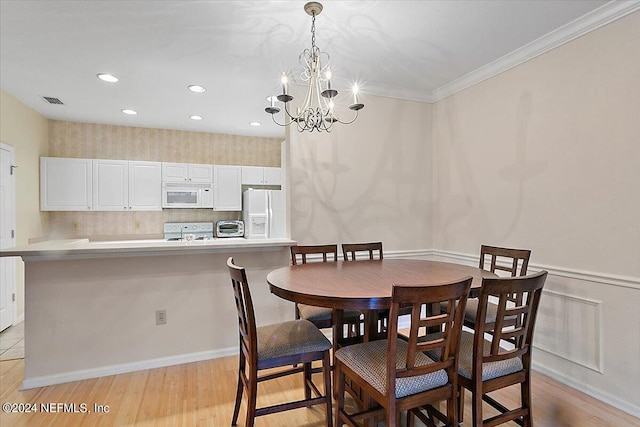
(12, 213)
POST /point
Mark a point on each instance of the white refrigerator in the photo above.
(263, 213)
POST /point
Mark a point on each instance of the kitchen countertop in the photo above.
(84, 248)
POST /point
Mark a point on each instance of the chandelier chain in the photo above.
(313, 32)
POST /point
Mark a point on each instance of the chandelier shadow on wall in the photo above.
(317, 111)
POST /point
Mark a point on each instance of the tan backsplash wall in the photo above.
(98, 141)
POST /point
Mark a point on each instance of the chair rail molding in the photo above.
(590, 276)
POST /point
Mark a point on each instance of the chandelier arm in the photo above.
(348, 123)
(273, 116)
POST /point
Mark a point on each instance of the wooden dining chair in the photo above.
(486, 366)
(397, 374)
(369, 249)
(493, 258)
(322, 317)
(277, 345)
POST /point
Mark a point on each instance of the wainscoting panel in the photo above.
(570, 327)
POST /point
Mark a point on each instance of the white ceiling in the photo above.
(238, 49)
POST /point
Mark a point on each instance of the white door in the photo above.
(273, 176)
(175, 172)
(252, 175)
(227, 188)
(145, 186)
(200, 173)
(110, 185)
(65, 184)
(7, 237)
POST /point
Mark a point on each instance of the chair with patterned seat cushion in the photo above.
(277, 345)
(322, 317)
(397, 374)
(493, 258)
(486, 366)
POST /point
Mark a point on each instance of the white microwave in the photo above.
(181, 195)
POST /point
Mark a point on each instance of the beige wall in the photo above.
(98, 141)
(367, 181)
(26, 131)
(546, 156)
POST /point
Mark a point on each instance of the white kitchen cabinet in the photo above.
(145, 186)
(187, 172)
(227, 188)
(259, 175)
(121, 185)
(272, 176)
(110, 185)
(65, 184)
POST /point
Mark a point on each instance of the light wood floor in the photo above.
(202, 394)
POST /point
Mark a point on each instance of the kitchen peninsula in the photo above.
(90, 306)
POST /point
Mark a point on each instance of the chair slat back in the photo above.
(363, 248)
(528, 290)
(449, 323)
(244, 307)
(517, 258)
(328, 252)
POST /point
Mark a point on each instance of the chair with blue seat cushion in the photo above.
(396, 373)
(277, 345)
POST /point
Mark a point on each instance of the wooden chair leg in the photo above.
(236, 409)
(307, 379)
(251, 397)
(338, 379)
(326, 373)
(525, 400)
(476, 405)
(460, 404)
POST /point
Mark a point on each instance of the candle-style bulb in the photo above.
(355, 93)
(284, 81)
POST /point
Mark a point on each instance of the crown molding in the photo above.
(593, 20)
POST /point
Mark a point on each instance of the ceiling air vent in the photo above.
(51, 100)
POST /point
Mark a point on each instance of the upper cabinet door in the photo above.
(65, 184)
(227, 188)
(145, 186)
(110, 185)
(175, 172)
(252, 175)
(200, 173)
(272, 176)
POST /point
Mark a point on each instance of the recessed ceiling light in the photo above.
(194, 117)
(107, 77)
(255, 124)
(130, 111)
(196, 88)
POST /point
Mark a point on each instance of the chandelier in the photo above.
(318, 109)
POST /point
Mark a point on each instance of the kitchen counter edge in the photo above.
(84, 248)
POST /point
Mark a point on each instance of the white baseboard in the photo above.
(124, 368)
(625, 406)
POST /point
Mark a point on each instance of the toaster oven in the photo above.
(233, 228)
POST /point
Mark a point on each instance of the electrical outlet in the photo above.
(74, 225)
(137, 224)
(161, 317)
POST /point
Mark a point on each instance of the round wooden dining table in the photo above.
(366, 284)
